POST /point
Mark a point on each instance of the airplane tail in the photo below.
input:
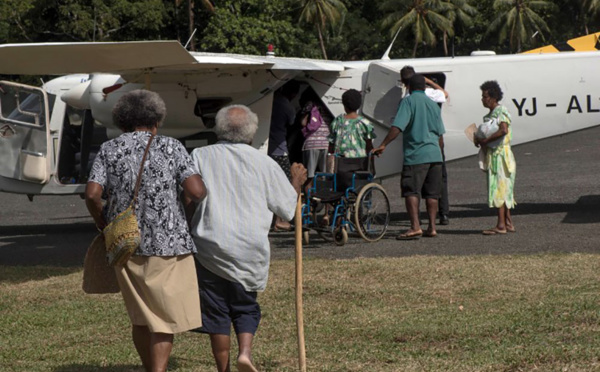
(587, 43)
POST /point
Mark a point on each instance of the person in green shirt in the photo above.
(419, 120)
(351, 134)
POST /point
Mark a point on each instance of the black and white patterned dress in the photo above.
(159, 211)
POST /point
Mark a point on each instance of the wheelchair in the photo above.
(346, 201)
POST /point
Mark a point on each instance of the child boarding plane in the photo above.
(49, 135)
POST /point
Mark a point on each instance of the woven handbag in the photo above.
(122, 235)
(98, 277)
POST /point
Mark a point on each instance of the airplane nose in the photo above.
(78, 96)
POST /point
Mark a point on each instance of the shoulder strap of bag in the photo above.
(139, 177)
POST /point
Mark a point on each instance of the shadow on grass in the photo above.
(174, 365)
(93, 368)
(21, 274)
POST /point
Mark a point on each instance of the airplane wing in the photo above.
(274, 63)
(71, 58)
(130, 58)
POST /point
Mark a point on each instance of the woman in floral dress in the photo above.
(499, 159)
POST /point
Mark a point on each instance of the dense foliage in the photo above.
(338, 29)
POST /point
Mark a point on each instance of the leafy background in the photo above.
(349, 29)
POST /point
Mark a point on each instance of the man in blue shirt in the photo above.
(419, 120)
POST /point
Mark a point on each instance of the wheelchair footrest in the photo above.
(327, 197)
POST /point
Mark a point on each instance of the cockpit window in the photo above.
(19, 105)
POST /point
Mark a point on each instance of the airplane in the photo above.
(49, 134)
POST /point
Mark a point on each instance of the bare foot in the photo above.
(244, 364)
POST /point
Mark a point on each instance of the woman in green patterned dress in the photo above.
(499, 159)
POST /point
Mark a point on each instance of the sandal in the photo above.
(410, 235)
(493, 231)
(511, 229)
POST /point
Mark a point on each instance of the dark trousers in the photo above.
(443, 203)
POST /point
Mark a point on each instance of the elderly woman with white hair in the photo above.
(231, 227)
(158, 282)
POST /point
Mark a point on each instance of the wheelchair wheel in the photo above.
(372, 212)
(340, 236)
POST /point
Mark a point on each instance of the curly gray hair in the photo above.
(139, 109)
(236, 124)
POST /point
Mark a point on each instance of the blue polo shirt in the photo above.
(420, 120)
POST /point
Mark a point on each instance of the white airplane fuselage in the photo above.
(546, 94)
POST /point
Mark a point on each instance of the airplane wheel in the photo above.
(340, 236)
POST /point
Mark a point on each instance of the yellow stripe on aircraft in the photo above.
(587, 43)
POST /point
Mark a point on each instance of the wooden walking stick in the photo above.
(299, 311)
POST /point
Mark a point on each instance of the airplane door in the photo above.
(24, 133)
(383, 92)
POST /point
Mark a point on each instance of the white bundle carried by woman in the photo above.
(486, 129)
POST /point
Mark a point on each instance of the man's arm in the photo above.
(436, 86)
(392, 134)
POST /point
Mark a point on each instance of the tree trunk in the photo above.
(321, 41)
(445, 43)
(191, 20)
(414, 54)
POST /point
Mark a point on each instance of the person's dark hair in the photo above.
(236, 124)
(290, 89)
(406, 73)
(351, 99)
(417, 82)
(493, 89)
(139, 109)
(308, 95)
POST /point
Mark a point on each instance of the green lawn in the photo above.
(483, 313)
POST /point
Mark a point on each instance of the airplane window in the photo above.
(21, 106)
(438, 78)
(207, 108)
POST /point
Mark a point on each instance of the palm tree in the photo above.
(206, 4)
(518, 20)
(320, 13)
(588, 9)
(421, 17)
(460, 12)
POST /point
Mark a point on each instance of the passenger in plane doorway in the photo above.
(438, 95)
(158, 282)
(494, 137)
(283, 115)
(231, 227)
(420, 122)
(314, 119)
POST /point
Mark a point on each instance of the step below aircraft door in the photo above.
(383, 92)
(24, 133)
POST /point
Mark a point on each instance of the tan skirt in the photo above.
(161, 293)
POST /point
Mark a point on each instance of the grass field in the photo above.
(482, 313)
